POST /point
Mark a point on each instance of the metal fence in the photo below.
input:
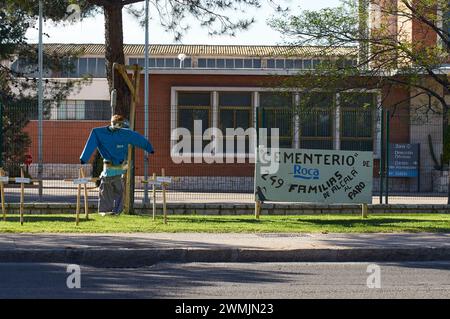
(395, 142)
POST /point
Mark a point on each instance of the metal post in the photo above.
(1, 135)
(381, 156)
(418, 168)
(2, 195)
(22, 196)
(40, 101)
(146, 92)
(448, 187)
(163, 186)
(387, 157)
(154, 196)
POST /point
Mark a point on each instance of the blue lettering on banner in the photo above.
(306, 173)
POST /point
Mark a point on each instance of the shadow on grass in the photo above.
(423, 225)
(369, 221)
(47, 219)
(206, 219)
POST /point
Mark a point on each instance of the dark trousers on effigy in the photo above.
(110, 197)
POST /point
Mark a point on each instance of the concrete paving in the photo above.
(137, 250)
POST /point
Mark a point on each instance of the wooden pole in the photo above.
(2, 191)
(364, 210)
(134, 89)
(257, 209)
(163, 186)
(154, 196)
(22, 196)
(77, 218)
(86, 203)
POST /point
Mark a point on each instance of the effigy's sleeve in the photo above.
(89, 148)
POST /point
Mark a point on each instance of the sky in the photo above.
(91, 30)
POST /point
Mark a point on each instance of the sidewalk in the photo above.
(136, 250)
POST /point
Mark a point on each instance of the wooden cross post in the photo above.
(133, 86)
(77, 218)
(82, 180)
(22, 195)
(154, 196)
(22, 180)
(364, 210)
(86, 203)
(163, 186)
(163, 181)
(257, 209)
(2, 192)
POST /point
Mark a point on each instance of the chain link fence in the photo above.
(417, 155)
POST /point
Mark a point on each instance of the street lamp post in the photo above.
(40, 100)
(181, 57)
(146, 94)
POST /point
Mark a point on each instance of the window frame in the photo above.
(290, 109)
(373, 115)
(235, 108)
(194, 107)
(335, 114)
(315, 109)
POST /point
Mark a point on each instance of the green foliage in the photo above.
(384, 58)
(15, 117)
(18, 89)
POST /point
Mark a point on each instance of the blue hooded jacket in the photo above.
(113, 144)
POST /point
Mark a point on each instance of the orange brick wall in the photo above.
(64, 140)
(159, 105)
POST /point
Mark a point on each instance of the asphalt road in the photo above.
(228, 280)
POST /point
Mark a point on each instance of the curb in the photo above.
(241, 208)
(132, 258)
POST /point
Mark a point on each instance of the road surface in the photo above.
(229, 280)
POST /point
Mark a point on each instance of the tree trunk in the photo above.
(114, 53)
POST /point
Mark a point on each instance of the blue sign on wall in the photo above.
(404, 160)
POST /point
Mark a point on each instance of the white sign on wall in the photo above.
(320, 176)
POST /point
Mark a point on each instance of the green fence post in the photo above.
(387, 156)
(1, 134)
(381, 171)
(258, 124)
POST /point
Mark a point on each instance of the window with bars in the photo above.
(162, 62)
(315, 113)
(288, 64)
(357, 121)
(97, 110)
(222, 63)
(192, 107)
(235, 111)
(27, 67)
(80, 67)
(276, 112)
(70, 110)
(297, 64)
